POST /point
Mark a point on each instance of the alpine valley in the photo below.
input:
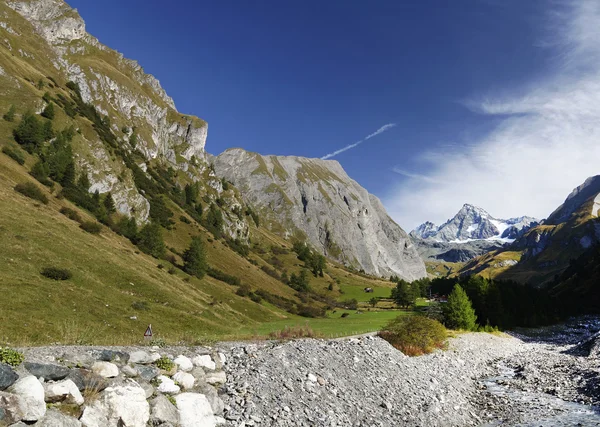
(104, 183)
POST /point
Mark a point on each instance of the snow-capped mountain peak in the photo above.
(473, 223)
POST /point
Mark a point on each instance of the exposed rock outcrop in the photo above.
(316, 199)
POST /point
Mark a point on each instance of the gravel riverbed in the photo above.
(482, 379)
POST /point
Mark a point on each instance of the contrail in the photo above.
(348, 147)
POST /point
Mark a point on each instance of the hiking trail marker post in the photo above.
(148, 333)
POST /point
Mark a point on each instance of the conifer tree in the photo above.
(458, 311)
(194, 259)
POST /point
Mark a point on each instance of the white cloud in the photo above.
(350, 146)
(547, 143)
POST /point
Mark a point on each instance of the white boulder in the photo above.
(63, 391)
(105, 369)
(185, 380)
(167, 385)
(194, 410)
(31, 392)
(204, 361)
(184, 363)
(215, 378)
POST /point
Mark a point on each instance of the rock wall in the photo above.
(110, 387)
(315, 199)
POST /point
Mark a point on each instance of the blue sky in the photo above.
(310, 77)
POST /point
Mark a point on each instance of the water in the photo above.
(536, 409)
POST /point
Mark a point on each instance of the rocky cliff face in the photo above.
(315, 199)
(53, 42)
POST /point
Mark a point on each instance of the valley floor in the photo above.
(482, 379)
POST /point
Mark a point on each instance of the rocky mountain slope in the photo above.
(315, 199)
(111, 174)
(546, 249)
(470, 233)
(46, 46)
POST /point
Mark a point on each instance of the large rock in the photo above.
(124, 405)
(11, 408)
(64, 391)
(87, 381)
(31, 392)
(204, 361)
(213, 398)
(120, 357)
(185, 380)
(147, 372)
(105, 369)
(141, 357)
(163, 411)
(216, 378)
(194, 410)
(56, 419)
(48, 372)
(184, 363)
(317, 198)
(7, 376)
(167, 385)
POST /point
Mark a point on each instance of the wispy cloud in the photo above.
(548, 140)
(356, 144)
(416, 176)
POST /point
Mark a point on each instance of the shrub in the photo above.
(255, 297)
(32, 191)
(15, 154)
(310, 311)
(243, 290)
(140, 305)
(414, 335)
(56, 273)
(11, 357)
(165, 364)
(71, 214)
(9, 116)
(49, 111)
(91, 227)
(224, 277)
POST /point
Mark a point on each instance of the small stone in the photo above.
(148, 389)
(216, 378)
(141, 357)
(147, 373)
(129, 371)
(204, 361)
(167, 385)
(49, 372)
(105, 369)
(312, 378)
(7, 376)
(55, 418)
(119, 357)
(64, 391)
(185, 380)
(184, 363)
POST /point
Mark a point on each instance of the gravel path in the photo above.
(482, 379)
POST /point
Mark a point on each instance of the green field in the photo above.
(332, 326)
(358, 293)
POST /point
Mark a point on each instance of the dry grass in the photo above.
(293, 332)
